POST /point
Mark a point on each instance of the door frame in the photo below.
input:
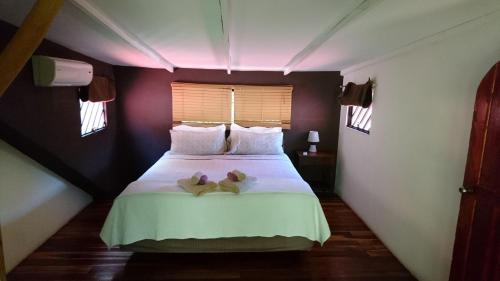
(3, 271)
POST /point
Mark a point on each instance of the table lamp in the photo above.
(313, 139)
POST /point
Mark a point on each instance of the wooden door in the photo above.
(477, 242)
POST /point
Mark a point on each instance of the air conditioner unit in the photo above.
(49, 72)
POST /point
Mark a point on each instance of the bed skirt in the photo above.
(221, 245)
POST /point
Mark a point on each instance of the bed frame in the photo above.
(221, 245)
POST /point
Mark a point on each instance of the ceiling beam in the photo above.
(225, 16)
(327, 34)
(27, 38)
(100, 16)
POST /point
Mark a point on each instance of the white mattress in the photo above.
(274, 173)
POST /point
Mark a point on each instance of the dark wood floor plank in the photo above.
(76, 253)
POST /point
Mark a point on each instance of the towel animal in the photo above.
(236, 181)
(197, 189)
(236, 175)
(199, 178)
(198, 184)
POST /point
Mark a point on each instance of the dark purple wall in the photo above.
(144, 108)
(44, 123)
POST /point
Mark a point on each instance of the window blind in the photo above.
(263, 105)
(201, 103)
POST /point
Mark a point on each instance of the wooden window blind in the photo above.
(263, 105)
(201, 103)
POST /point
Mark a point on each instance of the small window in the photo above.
(92, 116)
(359, 118)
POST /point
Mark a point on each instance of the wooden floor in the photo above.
(353, 253)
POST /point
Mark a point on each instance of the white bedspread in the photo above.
(280, 203)
(274, 173)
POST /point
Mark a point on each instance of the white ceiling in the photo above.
(263, 34)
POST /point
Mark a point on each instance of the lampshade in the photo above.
(313, 136)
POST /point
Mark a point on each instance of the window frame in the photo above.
(235, 90)
(86, 133)
(349, 121)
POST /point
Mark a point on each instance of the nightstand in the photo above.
(318, 169)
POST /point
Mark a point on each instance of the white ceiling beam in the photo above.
(327, 34)
(97, 14)
(225, 17)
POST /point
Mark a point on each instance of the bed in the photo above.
(278, 213)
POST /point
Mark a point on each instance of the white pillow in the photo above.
(236, 127)
(221, 127)
(198, 143)
(253, 143)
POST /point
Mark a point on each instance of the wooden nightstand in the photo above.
(318, 169)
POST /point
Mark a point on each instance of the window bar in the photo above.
(355, 113)
(97, 114)
(104, 115)
(366, 118)
(356, 109)
(368, 121)
(91, 119)
(368, 124)
(360, 117)
(87, 118)
(100, 117)
(83, 104)
(349, 115)
(355, 116)
(85, 121)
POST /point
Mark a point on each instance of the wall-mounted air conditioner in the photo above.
(49, 72)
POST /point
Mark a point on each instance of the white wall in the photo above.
(402, 179)
(34, 204)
